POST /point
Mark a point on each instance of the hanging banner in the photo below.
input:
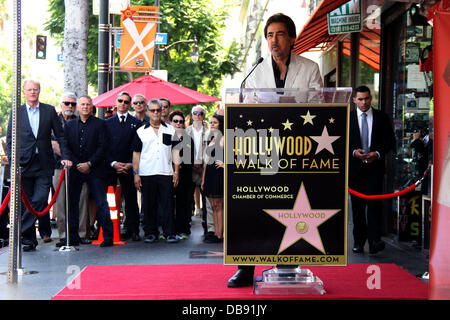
(346, 18)
(440, 223)
(137, 43)
(286, 184)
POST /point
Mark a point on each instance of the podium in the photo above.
(286, 155)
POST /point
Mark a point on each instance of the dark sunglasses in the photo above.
(178, 121)
(198, 113)
(138, 102)
(154, 110)
(165, 107)
(67, 103)
(124, 101)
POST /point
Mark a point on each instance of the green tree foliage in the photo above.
(181, 20)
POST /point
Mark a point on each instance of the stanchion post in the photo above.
(67, 247)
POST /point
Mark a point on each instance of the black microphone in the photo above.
(241, 96)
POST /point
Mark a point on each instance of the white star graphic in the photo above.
(308, 118)
(287, 124)
(325, 141)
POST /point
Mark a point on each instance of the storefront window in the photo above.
(411, 103)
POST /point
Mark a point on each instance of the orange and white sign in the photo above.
(137, 42)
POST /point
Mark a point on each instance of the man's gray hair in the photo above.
(31, 80)
(69, 95)
(154, 101)
(85, 96)
(198, 106)
(138, 95)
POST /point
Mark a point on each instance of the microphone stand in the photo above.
(241, 95)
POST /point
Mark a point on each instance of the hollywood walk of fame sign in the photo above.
(286, 184)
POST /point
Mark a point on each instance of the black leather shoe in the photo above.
(377, 247)
(85, 241)
(135, 237)
(358, 249)
(107, 243)
(29, 247)
(240, 279)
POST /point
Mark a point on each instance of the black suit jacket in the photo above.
(121, 139)
(95, 147)
(48, 123)
(382, 140)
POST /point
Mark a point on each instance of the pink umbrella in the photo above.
(154, 88)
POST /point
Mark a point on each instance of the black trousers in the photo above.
(129, 194)
(183, 203)
(366, 226)
(158, 189)
(37, 189)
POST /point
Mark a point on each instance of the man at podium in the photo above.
(281, 69)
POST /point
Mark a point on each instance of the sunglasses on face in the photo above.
(138, 102)
(123, 101)
(198, 113)
(165, 107)
(154, 110)
(67, 103)
(178, 121)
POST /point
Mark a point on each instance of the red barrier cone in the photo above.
(114, 210)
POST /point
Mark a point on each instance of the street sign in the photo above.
(346, 18)
(161, 38)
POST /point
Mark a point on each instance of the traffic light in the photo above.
(41, 47)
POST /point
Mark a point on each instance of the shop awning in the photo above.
(315, 31)
(369, 48)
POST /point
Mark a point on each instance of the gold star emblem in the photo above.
(249, 123)
(271, 129)
(287, 124)
(308, 118)
(331, 120)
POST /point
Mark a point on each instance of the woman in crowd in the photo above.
(183, 156)
(213, 173)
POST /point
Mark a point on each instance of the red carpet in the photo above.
(208, 282)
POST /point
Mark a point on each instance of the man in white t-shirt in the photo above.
(154, 175)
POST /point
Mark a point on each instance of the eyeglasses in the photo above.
(165, 107)
(178, 121)
(67, 103)
(154, 110)
(138, 102)
(198, 113)
(123, 101)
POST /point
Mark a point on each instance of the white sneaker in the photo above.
(198, 212)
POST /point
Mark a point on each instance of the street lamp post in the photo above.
(194, 54)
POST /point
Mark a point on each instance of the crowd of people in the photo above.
(167, 171)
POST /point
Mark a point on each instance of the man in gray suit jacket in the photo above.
(37, 121)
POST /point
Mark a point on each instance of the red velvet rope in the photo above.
(382, 196)
(27, 202)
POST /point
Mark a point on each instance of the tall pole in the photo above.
(156, 51)
(103, 51)
(15, 212)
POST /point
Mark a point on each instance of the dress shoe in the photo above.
(29, 247)
(377, 247)
(241, 278)
(107, 243)
(47, 239)
(135, 237)
(85, 241)
(358, 249)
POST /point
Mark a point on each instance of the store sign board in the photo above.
(115, 6)
(285, 184)
(347, 18)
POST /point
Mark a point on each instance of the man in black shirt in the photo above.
(87, 144)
